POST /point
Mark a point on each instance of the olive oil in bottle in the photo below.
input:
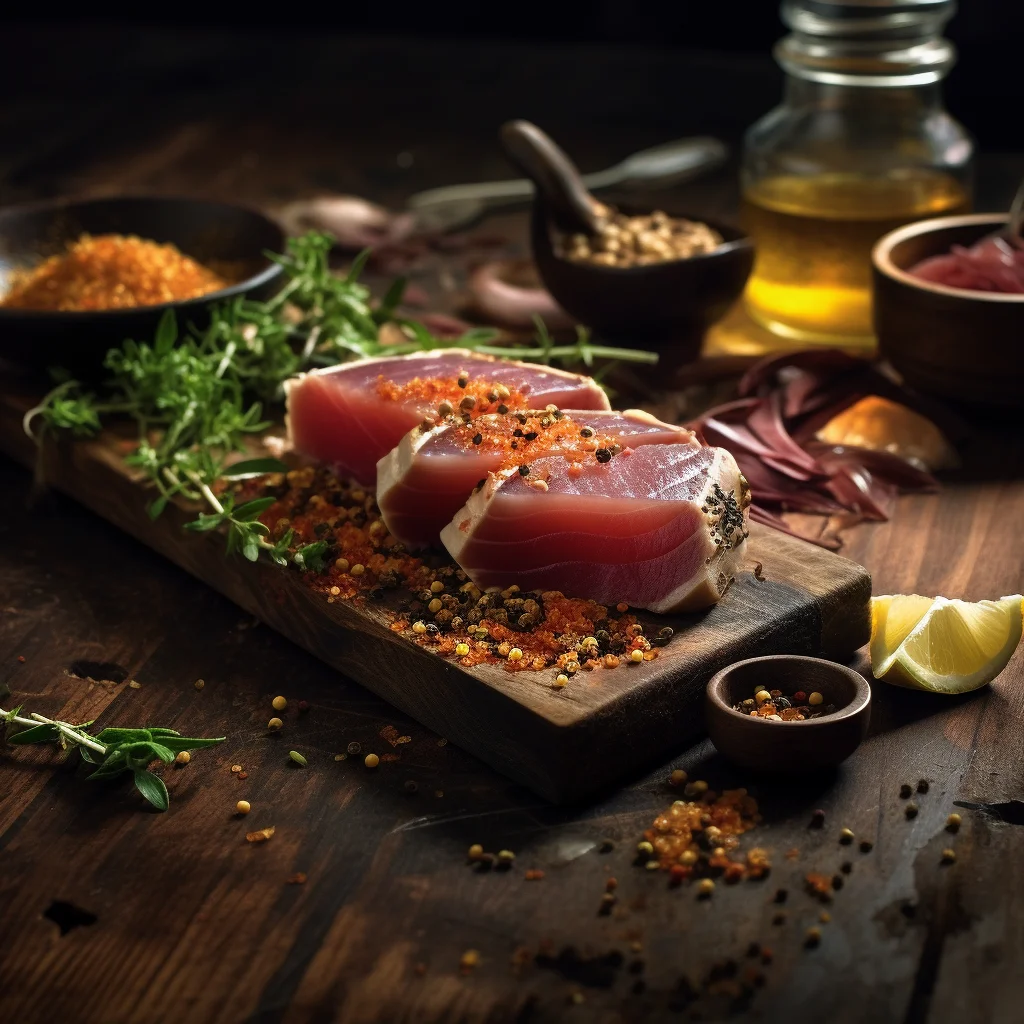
(860, 144)
(812, 276)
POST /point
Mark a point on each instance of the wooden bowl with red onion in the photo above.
(960, 344)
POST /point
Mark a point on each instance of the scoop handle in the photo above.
(557, 179)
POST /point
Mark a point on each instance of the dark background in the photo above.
(985, 90)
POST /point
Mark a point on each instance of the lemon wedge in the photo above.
(940, 645)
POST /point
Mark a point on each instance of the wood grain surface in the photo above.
(808, 601)
(110, 913)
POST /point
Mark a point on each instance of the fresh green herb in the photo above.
(197, 395)
(113, 751)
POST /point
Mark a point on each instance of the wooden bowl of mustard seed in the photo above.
(636, 276)
(745, 705)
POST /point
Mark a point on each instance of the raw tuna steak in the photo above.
(352, 415)
(659, 527)
(424, 481)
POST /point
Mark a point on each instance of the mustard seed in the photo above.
(274, 724)
(705, 887)
(279, 703)
(243, 807)
(371, 760)
(183, 757)
(953, 823)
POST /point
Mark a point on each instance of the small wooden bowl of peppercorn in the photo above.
(79, 276)
(661, 281)
(828, 706)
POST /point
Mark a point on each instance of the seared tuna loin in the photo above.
(659, 527)
(352, 415)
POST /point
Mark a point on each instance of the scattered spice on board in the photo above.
(261, 836)
(432, 601)
(111, 272)
(299, 878)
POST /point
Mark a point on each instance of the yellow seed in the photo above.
(761, 696)
(815, 698)
(335, 591)
(469, 959)
(236, 768)
(436, 587)
(644, 847)
(637, 656)
(419, 627)
(705, 887)
(561, 679)
(243, 807)
(371, 760)
(846, 835)
(677, 778)
(688, 857)
(652, 865)
(572, 667)
(341, 564)
(435, 606)
(279, 703)
(953, 823)
(476, 851)
(506, 856)
(948, 856)
(697, 788)
(199, 684)
(462, 650)
(274, 724)
(515, 654)
(357, 570)
(183, 757)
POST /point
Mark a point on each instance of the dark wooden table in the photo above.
(109, 913)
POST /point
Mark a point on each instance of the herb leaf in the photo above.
(152, 788)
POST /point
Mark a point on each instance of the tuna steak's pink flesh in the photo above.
(352, 415)
(424, 481)
(660, 527)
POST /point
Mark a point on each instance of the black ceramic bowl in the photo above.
(788, 746)
(221, 235)
(959, 345)
(675, 301)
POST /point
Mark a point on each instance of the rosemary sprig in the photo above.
(113, 751)
(197, 395)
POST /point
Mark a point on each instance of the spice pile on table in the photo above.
(111, 272)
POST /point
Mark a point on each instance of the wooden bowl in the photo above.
(788, 746)
(674, 302)
(959, 345)
(221, 235)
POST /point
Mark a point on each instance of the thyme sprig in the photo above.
(113, 751)
(197, 395)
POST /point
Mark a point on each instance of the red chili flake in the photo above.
(299, 878)
(799, 697)
(21, 658)
(390, 757)
(390, 735)
(241, 775)
(303, 705)
(534, 875)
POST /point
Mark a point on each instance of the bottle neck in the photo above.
(807, 94)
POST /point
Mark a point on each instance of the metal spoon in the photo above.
(1008, 238)
(671, 163)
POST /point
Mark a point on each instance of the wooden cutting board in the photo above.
(564, 744)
